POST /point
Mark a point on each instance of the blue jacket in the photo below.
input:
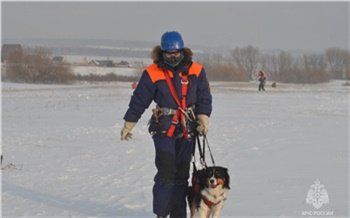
(153, 87)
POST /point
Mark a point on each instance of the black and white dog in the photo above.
(209, 190)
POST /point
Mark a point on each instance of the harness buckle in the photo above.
(187, 113)
(184, 82)
(203, 163)
(182, 110)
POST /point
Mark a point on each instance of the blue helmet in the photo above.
(171, 41)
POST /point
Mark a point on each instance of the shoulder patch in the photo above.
(195, 69)
(156, 73)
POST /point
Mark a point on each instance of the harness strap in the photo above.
(171, 111)
(184, 85)
(171, 87)
(180, 112)
(209, 203)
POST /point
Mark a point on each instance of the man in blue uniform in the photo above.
(180, 89)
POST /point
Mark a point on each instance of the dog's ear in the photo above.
(227, 179)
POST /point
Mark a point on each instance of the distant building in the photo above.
(57, 59)
(105, 63)
(9, 49)
(123, 64)
(84, 62)
(101, 63)
(93, 63)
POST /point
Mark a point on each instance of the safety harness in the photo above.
(209, 203)
(181, 110)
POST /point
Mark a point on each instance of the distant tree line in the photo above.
(244, 63)
(36, 66)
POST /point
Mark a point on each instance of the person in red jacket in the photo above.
(262, 80)
(180, 88)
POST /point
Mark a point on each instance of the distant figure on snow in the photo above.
(262, 80)
(274, 85)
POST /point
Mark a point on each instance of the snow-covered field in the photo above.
(276, 144)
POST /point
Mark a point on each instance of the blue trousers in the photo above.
(173, 158)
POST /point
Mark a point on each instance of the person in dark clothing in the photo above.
(262, 80)
(177, 118)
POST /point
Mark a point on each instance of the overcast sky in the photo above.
(266, 25)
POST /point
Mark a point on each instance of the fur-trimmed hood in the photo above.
(157, 52)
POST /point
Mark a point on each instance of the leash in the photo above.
(205, 139)
(202, 153)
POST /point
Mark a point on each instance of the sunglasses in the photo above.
(175, 54)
